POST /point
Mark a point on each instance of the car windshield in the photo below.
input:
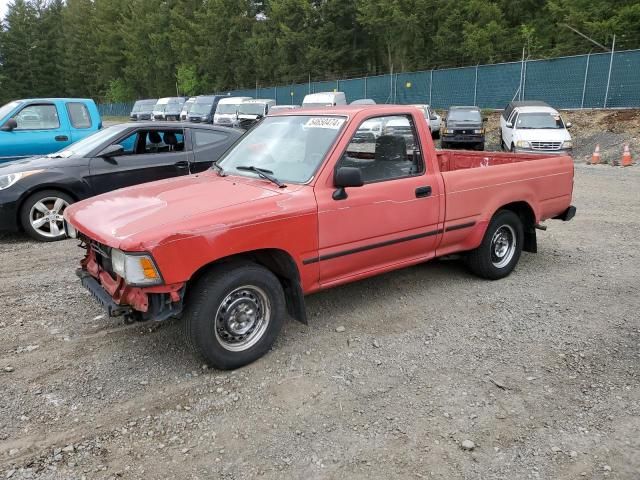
(251, 109)
(542, 120)
(186, 108)
(88, 144)
(142, 107)
(8, 108)
(201, 108)
(227, 107)
(291, 146)
(160, 107)
(464, 115)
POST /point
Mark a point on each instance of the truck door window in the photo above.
(79, 115)
(385, 148)
(38, 117)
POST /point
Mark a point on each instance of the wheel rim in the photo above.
(503, 246)
(242, 318)
(46, 216)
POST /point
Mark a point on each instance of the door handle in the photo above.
(61, 138)
(423, 192)
(182, 164)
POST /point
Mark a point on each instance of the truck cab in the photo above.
(40, 126)
(534, 127)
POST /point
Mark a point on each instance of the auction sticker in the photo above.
(325, 122)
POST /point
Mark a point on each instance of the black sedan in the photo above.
(34, 192)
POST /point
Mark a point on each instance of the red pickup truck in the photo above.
(307, 200)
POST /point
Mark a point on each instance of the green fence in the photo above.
(597, 80)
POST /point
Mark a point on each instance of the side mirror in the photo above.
(346, 177)
(112, 151)
(10, 125)
(509, 125)
(569, 124)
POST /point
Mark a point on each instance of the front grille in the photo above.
(103, 256)
(463, 132)
(546, 145)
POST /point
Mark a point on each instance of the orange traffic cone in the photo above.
(595, 158)
(627, 161)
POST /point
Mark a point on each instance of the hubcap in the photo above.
(503, 246)
(242, 318)
(46, 216)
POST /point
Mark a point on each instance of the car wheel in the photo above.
(436, 134)
(500, 250)
(513, 148)
(234, 314)
(444, 145)
(41, 215)
(480, 146)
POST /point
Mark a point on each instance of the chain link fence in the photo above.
(595, 80)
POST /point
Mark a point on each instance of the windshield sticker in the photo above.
(324, 122)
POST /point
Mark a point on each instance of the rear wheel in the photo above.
(234, 314)
(500, 250)
(41, 215)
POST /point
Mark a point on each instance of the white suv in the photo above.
(534, 127)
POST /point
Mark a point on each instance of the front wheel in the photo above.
(500, 250)
(435, 135)
(234, 314)
(41, 215)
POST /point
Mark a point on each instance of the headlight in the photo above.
(567, 144)
(137, 269)
(523, 144)
(7, 180)
(448, 130)
(479, 131)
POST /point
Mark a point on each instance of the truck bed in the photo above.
(450, 160)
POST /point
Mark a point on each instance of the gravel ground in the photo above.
(427, 372)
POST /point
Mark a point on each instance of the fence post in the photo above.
(395, 90)
(337, 85)
(475, 87)
(584, 85)
(430, 86)
(365, 87)
(606, 95)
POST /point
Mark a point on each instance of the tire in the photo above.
(41, 215)
(480, 146)
(435, 135)
(220, 320)
(444, 145)
(513, 148)
(498, 254)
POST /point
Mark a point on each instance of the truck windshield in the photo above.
(292, 147)
(542, 120)
(8, 108)
(201, 108)
(88, 144)
(227, 108)
(251, 109)
(160, 107)
(464, 116)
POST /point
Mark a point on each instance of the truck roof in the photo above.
(54, 99)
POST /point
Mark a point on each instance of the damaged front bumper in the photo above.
(157, 303)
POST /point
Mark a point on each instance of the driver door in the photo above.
(149, 154)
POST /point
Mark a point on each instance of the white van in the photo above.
(254, 108)
(227, 110)
(324, 99)
(159, 108)
(534, 127)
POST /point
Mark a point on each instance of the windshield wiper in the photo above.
(262, 172)
(219, 169)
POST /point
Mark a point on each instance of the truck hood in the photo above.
(464, 125)
(541, 135)
(143, 216)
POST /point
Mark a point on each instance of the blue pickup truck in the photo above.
(39, 126)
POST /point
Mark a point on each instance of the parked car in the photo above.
(534, 126)
(364, 101)
(227, 109)
(39, 126)
(168, 108)
(186, 108)
(204, 108)
(324, 99)
(433, 119)
(464, 127)
(142, 109)
(252, 111)
(35, 192)
(279, 108)
(296, 207)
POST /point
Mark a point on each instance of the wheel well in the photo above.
(282, 265)
(40, 188)
(528, 218)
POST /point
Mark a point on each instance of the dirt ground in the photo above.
(540, 371)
